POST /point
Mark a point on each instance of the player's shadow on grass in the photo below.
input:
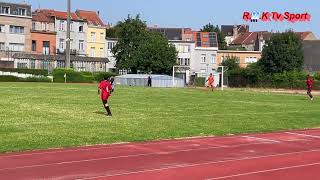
(100, 112)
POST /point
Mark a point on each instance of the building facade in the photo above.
(244, 57)
(15, 25)
(95, 35)
(43, 34)
(78, 32)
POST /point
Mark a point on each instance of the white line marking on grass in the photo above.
(133, 155)
(265, 171)
(200, 164)
(305, 135)
(263, 139)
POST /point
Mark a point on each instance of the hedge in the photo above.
(42, 72)
(18, 79)
(200, 81)
(79, 77)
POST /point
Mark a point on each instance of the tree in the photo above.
(111, 33)
(221, 36)
(139, 49)
(130, 34)
(155, 55)
(282, 53)
(231, 63)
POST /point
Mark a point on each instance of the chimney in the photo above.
(98, 13)
(235, 31)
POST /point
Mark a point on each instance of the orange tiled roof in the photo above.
(91, 17)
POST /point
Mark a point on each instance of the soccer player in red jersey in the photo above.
(210, 81)
(104, 91)
(309, 83)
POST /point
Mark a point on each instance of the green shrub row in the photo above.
(42, 72)
(79, 77)
(254, 77)
(200, 81)
(18, 79)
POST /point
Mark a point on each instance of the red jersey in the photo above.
(309, 83)
(210, 80)
(105, 88)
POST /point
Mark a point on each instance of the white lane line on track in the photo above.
(200, 164)
(263, 139)
(265, 171)
(305, 135)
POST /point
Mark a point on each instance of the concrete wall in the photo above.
(100, 41)
(40, 37)
(75, 35)
(7, 37)
(244, 56)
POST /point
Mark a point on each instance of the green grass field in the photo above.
(41, 116)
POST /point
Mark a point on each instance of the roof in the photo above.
(169, 33)
(42, 17)
(59, 14)
(251, 37)
(303, 35)
(228, 29)
(91, 17)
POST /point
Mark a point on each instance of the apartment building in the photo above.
(15, 25)
(96, 33)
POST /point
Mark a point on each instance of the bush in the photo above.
(100, 75)
(18, 79)
(79, 77)
(42, 72)
(200, 81)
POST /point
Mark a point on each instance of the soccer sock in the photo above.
(108, 110)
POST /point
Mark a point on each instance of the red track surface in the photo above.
(285, 155)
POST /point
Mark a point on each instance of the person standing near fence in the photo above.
(309, 83)
(210, 82)
(104, 91)
(149, 81)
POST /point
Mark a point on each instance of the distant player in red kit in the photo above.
(309, 83)
(104, 91)
(210, 82)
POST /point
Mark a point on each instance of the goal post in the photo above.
(222, 76)
(173, 73)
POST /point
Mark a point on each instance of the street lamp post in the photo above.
(68, 35)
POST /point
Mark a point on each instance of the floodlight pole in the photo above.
(68, 35)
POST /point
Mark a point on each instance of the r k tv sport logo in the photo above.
(276, 16)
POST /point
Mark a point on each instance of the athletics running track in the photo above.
(291, 155)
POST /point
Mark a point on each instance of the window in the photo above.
(101, 52)
(81, 45)
(5, 10)
(250, 60)
(1, 28)
(46, 47)
(71, 26)
(203, 59)
(2, 46)
(213, 58)
(93, 52)
(61, 44)
(102, 36)
(43, 26)
(81, 28)
(33, 26)
(181, 62)
(34, 45)
(205, 35)
(188, 39)
(93, 37)
(71, 43)
(110, 45)
(16, 29)
(22, 12)
(61, 27)
(186, 61)
(16, 47)
(21, 65)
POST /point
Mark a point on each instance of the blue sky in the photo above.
(194, 14)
